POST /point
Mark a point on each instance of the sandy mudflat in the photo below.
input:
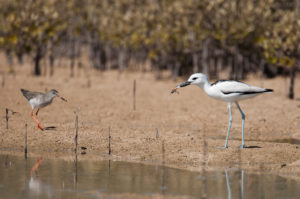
(185, 121)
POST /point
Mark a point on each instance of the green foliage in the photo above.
(281, 40)
(162, 27)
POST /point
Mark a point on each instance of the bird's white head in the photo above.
(197, 79)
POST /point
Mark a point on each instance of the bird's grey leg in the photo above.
(243, 124)
(242, 185)
(229, 126)
(228, 185)
(37, 112)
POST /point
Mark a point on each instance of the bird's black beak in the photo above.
(61, 98)
(183, 84)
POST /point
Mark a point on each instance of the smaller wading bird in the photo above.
(39, 100)
(226, 90)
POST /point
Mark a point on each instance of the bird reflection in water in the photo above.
(36, 186)
(35, 167)
(242, 190)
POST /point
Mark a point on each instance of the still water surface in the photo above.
(51, 178)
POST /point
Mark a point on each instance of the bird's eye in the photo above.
(195, 78)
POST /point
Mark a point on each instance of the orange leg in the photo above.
(39, 126)
(36, 166)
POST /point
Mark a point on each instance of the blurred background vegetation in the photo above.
(209, 36)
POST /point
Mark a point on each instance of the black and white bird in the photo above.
(229, 91)
(39, 100)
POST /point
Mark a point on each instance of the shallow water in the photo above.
(51, 178)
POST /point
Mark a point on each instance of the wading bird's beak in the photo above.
(183, 84)
(62, 98)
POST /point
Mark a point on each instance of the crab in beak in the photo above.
(183, 84)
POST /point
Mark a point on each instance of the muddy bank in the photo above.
(191, 125)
